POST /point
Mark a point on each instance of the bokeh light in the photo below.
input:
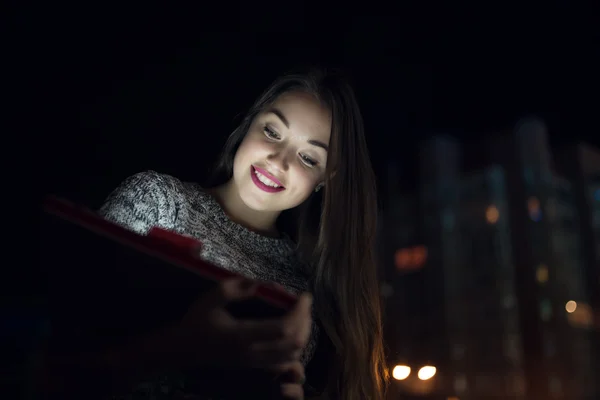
(427, 372)
(401, 372)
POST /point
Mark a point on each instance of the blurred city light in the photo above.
(419, 255)
(571, 306)
(426, 372)
(582, 316)
(401, 372)
(411, 257)
(535, 212)
(403, 258)
(541, 274)
(492, 214)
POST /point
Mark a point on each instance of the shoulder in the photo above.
(146, 199)
(151, 183)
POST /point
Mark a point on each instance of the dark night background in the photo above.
(138, 88)
(118, 90)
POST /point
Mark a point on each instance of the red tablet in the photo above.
(105, 280)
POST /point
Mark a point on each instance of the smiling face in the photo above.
(284, 154)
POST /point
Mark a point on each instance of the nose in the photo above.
(279, 158)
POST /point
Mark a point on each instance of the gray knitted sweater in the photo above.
(150, 199)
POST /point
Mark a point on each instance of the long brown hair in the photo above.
(335, 231)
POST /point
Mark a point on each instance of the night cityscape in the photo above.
(491, 270)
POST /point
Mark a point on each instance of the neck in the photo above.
(262, 222)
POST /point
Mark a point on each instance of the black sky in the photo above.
(131, 89)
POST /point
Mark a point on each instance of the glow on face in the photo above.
(286, 151)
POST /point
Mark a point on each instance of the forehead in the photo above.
(305, 114)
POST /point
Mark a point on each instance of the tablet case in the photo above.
(109, 283)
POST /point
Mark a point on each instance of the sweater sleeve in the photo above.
(142, 201)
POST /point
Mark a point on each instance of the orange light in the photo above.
(492, 214)
(533, 204)
(411, 257)
(403, 258)
(541, 274)
(571, 306)
(419, 255)
(582, 316)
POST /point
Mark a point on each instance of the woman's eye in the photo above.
(271, 134)
(308, 161)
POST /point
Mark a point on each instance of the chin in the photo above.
(255, 200)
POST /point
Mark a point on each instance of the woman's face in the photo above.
(284, 154)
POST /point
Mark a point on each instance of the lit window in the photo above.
(411, 258)
(492, 214)
(541, 274)
(403, 258)
(419, 255)
(535, 211)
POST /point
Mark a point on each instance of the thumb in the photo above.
(235, 289)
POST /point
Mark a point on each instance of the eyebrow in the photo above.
(285, 121)
(319, 144)
(280, 115)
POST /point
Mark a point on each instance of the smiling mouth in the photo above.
(266, 178)
(265, 181)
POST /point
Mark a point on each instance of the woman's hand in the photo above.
(210, 336)
(291, 381)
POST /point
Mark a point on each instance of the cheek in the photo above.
(248, 151)
(307, 179)
(254, 144)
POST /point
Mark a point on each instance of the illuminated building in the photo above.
(505, 301)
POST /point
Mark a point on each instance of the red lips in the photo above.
(268, 175)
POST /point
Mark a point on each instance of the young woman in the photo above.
(292, 201)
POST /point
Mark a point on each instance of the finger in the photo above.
(299, 320)
(283, 351)
(302, 307)
(292, 391)
(296, 325)
(230, 290)
(292, 372)
(263, 332)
